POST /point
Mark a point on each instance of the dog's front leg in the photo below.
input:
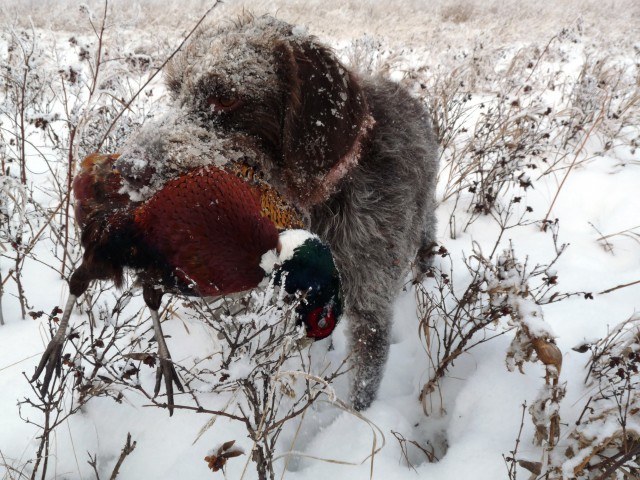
(370, 332)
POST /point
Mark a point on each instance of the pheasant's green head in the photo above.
(307, 265)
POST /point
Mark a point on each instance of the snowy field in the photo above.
(518, 354)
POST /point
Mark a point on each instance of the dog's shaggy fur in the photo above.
(356, 155)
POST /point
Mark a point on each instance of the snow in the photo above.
(292, 239)
(474, 419)
(177, 138)
(288, 241)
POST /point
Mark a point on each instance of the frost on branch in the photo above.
(13, 213)
(498, 296)
(605, 442)
(257, 372)
(20, 219)
(508, 290)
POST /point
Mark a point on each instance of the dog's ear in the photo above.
(324, 110)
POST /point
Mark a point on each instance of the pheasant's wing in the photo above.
(208, 226)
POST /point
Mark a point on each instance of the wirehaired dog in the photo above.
(356, 155)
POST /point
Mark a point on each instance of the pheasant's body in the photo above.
(203, 233)
(207, 225)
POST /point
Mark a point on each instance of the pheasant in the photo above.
(207, 231)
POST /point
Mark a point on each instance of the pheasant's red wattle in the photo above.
(207, 224)
(314, 328)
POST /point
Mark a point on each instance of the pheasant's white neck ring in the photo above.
(288, 241)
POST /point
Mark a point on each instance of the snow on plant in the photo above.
(605, 441)
(497, 298)
(22, 85)
(506, 119)
(85, 95)
(509, 293)
(23, 82)
(263, 364)
(52, 109)
(509, 118)
(490, 142)
(20, 227)
(13, 205)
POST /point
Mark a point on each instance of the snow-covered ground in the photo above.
(538, 108)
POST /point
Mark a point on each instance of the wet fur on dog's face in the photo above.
(263, 78)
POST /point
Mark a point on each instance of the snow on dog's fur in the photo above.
(356, 155)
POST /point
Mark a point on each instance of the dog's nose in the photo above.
(135, 166)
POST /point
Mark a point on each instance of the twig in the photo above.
(620, 462)
(573, 163)
(37, 235)
(199, 410)
(93, 461)
(72, 136)
(514, 452)
(607, 245)
(619, 287)
(126, 451)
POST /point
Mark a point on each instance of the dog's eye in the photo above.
(223, 103)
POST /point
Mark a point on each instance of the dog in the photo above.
(356, 155)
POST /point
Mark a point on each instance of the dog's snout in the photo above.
(134, 166)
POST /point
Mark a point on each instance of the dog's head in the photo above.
(270, 81)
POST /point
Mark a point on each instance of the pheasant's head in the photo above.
(306, 265)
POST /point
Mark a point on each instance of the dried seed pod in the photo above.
(533, 467)
(548, 352)
(218, 458)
